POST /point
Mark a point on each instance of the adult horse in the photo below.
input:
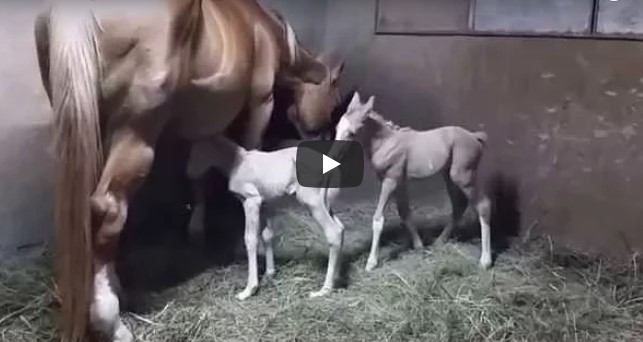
(117, 74)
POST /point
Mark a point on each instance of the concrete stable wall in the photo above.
(565, 117)
(25, 165)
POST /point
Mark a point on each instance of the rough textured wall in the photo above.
(564, 116)
(25, 192)
(307, 17)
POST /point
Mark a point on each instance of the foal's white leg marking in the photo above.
(104, 309)
(484, 216)
(267, 236)
(252, 208)
(335, 236)
(403, 208)
(388, 186)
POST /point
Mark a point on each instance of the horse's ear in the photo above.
(334, 63)
(355, 101)
(309, 69)
(336, 71)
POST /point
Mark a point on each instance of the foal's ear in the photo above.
(368, 106)
(355, 102)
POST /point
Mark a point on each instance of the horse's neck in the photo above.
(376, 134)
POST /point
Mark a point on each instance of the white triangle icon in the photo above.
(328, 164)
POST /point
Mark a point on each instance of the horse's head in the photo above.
(314, 102)
(351, 123)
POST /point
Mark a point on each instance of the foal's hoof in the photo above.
(485, 263)
(247, 293)
(270, 273)
(325, 291)
(418, 244)
(370, 265)
(123, 334)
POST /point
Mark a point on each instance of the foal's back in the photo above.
(429, 152)
(267, 174)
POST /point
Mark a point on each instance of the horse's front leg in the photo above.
(388, 186)
(196, 227)
(130, 159)
(252, 209)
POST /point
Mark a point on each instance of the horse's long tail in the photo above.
(74, 76)
(481, 136)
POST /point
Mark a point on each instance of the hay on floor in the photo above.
(535, 292)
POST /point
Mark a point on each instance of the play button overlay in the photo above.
(328, 164)
(332, 164)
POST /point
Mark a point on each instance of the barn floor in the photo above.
(535, 292)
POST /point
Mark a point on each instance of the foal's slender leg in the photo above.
(403, 208)
(459, 203)
(465, 181)
(483, 208)
(388, 186)
(129, 161)
(335, 236)
(252, 209)
(267, 236)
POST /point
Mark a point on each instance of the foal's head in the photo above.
(353, 120)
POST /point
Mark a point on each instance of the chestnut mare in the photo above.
(117, 74)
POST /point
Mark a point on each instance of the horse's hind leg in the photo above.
(130, 159)
(403, 208)
(461, 184)
(459, 194)
(267, 236)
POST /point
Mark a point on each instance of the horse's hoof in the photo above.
(321, 293)
(370, 265)
(247, 293)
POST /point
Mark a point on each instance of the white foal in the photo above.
(258, 178)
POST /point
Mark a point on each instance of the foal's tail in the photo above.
(73, 77)
(481, 136)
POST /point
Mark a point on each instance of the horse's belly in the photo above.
(425, 160)
(202, 113)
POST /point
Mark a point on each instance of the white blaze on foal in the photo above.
(258, 178)
(398, 154)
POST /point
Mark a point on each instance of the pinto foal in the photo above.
(398, 154)
(259, 178)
